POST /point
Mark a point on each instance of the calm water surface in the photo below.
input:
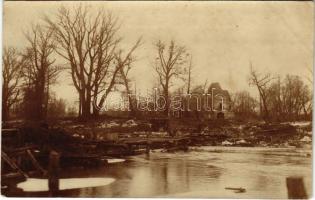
(203, 172)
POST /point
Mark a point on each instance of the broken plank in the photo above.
(12, 164)
(35, 162)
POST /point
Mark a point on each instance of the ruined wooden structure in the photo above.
(18, 160)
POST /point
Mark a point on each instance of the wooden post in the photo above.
(148, 144)
(176, 144)
(148, 149)
(53, 180)
(296, 189)
(185, 145)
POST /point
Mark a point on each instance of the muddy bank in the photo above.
(121, 137)
(214, 132)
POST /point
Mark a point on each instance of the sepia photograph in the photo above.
(157, 99)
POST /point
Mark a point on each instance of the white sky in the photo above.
(223, 37)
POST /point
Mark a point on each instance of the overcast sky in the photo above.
(223, 37)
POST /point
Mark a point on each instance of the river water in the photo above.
(202, 172)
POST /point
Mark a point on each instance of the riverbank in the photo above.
(88, 143)
(211, 133)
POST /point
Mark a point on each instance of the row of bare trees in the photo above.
(11, 78)
(90, 45)
(290, 99)
(27, 74)
(286, 99)
(91, 50)
(244, 105)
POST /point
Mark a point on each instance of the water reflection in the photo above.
(159, 177)
(198, 174)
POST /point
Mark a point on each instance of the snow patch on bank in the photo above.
(115, 160)
(301, 124)
(39, 185)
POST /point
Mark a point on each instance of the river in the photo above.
(202, 172)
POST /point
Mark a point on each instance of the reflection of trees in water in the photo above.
(178, 176)
(187, 176)
(164, 175)
(178, 179)
(171, 176)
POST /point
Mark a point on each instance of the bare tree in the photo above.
(89, 43)
(243, 105)
(39, 70)
(122, 67)
(261, 81)
(296, 98)
(169, 65)
(275, 100)
(190, 67)
(123, 74)
(11, 80)
(306, 102)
